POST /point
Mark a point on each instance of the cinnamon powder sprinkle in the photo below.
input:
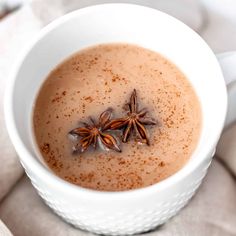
(161, 164)
(89, 99)
(45, 148)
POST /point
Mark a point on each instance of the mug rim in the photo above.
(36, 166)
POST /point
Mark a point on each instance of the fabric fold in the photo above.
(226, 149)
(13, 32)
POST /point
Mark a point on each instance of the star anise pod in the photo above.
(135, 120)
(93, 134)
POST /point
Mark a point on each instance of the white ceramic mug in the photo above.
(127, 212)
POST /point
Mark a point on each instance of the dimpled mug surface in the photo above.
(127, 212)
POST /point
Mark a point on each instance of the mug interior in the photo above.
(111, 23)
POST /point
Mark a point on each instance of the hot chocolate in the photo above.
(104, 76)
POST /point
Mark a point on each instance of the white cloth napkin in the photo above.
(211, 212)
(15, 32)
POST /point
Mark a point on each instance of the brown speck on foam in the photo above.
(83, 108)
(45, 148)
(115, 78)
(161, 164)
(89, 99)
(58, 97)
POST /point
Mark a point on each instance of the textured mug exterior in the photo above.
(121, 217)
(128, 212)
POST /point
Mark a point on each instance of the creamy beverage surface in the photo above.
(104, 76)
